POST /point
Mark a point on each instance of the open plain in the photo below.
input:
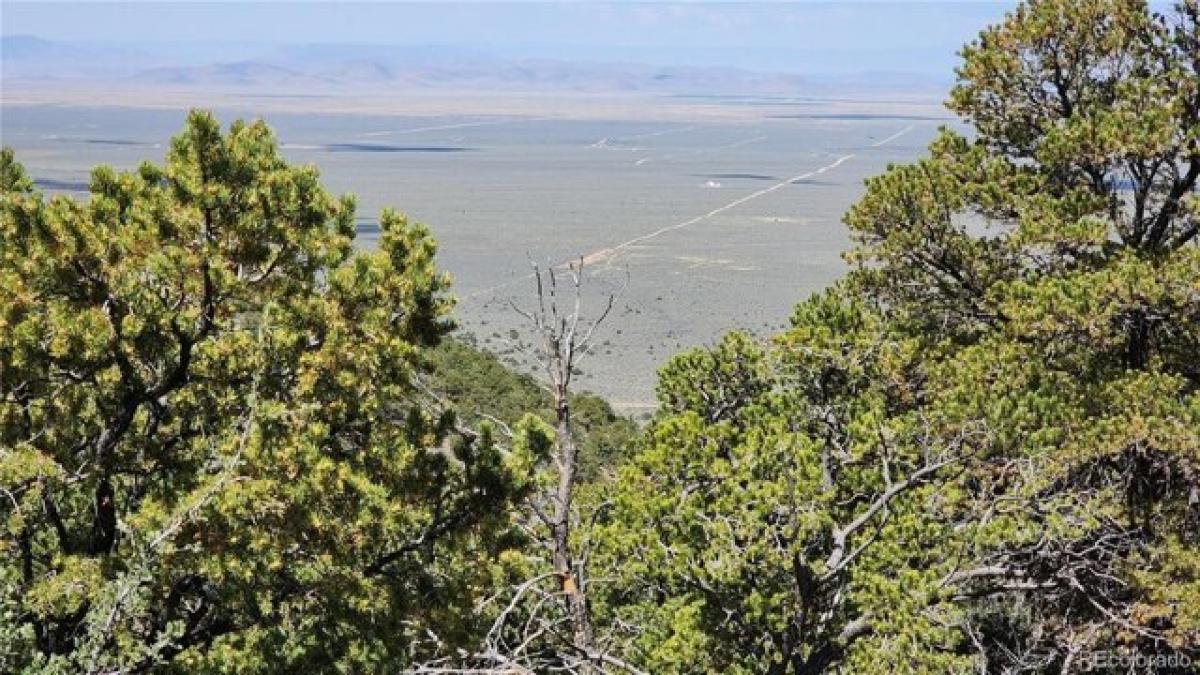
(705, 213)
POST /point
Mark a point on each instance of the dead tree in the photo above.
(562, 337)
(544, 623)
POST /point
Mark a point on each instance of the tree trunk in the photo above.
(570, 577)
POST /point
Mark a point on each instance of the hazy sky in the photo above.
(758, 35)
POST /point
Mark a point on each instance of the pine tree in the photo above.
(211, 454)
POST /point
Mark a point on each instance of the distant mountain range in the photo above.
(525, 74)
(29, 56)
(367, 66)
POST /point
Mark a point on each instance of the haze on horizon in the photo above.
(808, 38)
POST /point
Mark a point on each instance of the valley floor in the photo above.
(705, 213)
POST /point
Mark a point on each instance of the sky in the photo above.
(756, 35)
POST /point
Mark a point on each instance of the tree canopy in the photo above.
(213, 456)
(981, 450)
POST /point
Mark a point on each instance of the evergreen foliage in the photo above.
(212, 456)
(982, 452)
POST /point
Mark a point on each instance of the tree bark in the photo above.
(570, 578)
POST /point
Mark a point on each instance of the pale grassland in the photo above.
(713, 213)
